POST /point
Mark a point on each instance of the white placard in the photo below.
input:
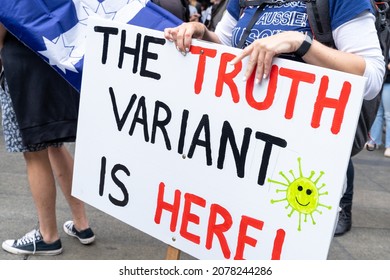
(183, 149)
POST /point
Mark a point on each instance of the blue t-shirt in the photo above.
(290, 16)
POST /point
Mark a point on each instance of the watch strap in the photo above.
(304, 47)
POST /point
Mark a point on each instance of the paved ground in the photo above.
(369, 238)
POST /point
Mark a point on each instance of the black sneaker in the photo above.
(32, 243)
(85, 236)
(344, 223)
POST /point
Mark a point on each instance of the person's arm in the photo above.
(3, 31)
(349, 41)
(355, 56)
(346, 58)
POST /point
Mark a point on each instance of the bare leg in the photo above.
(43, 189)
(62, 164)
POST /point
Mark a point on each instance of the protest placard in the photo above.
(181, 148)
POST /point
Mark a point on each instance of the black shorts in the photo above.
(45, 105)
(11, 131)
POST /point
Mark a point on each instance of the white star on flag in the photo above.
(67, 50)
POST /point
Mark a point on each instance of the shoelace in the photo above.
(71, 228)
(29, 237)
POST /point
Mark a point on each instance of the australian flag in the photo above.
(55, 29)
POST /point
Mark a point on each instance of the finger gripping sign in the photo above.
(183, 149)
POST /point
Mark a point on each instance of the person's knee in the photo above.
(29, 156)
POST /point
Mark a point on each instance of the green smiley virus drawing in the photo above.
(302, 194)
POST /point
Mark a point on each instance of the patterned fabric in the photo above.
(291, 16)
(12, 135)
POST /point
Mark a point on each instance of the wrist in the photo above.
(305, 46)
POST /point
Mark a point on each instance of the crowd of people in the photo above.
(208, 12)
(212, 20)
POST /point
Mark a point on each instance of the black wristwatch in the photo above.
(306, 44)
